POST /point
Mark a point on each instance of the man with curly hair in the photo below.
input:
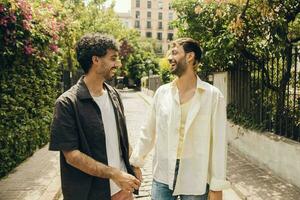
(89, 129)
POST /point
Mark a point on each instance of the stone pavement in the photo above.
(37, 178)
(254, 183)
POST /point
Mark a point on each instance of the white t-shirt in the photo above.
(111, 136)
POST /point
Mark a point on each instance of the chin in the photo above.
(109, 78)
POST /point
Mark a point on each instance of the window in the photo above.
(149, 34)
(148, 24)
(160, 25)
(137, 14)
(149, 15)
(170, 6)
(160, 4)
(160, 16)
(170, 16)
(170, 36)
(148, 4)
(159, 36)
(137, 3)
(170, 26)
(137, 24)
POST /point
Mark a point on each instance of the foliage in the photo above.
(28, 75)
(230, 29)
(236, 32)
(243, 119)
(141, 58)
(164, 70)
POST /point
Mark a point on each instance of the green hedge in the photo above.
(28, 77)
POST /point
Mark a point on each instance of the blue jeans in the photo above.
(161, 191)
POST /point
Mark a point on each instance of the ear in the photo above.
(95, 59)
(191, 56)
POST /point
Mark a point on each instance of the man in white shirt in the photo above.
(186, 124)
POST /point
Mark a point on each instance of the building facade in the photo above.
(152, 18)
(126, 19)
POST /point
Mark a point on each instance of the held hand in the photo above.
(138, 173)
(215, 195)
(126, 181)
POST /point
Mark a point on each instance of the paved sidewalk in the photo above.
(37, 178)
(254, 183)
(251, 182)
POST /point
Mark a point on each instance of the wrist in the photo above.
(135, 167)
(112, 173)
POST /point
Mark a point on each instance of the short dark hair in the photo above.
(190, 45)
(93, 44)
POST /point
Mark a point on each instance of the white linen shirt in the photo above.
(204, 149)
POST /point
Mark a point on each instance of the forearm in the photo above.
(88, 165)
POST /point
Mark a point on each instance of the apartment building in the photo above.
(152, 18)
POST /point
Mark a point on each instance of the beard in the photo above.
(179, 68)
(108, 73)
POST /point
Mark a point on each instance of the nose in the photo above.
(169, 57)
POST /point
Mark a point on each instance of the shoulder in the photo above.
(212, 89)
(68, 96)
(163, 88)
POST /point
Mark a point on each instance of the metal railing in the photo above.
(269, 94)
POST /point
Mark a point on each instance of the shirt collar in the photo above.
(200, 84)
(82, 90)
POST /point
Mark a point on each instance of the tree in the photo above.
(139, 58)
(233, 30)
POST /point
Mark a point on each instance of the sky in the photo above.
(121, 5)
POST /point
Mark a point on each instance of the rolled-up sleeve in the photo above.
(147, 138)
(218, 147)
(64, 134)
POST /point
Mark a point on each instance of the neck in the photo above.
(187, 81)
(94, 84)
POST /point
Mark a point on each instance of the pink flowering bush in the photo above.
(29, 62)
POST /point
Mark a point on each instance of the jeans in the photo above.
(161, 191)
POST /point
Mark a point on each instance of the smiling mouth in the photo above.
(173, 65)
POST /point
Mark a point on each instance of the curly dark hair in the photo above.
(93, 44)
